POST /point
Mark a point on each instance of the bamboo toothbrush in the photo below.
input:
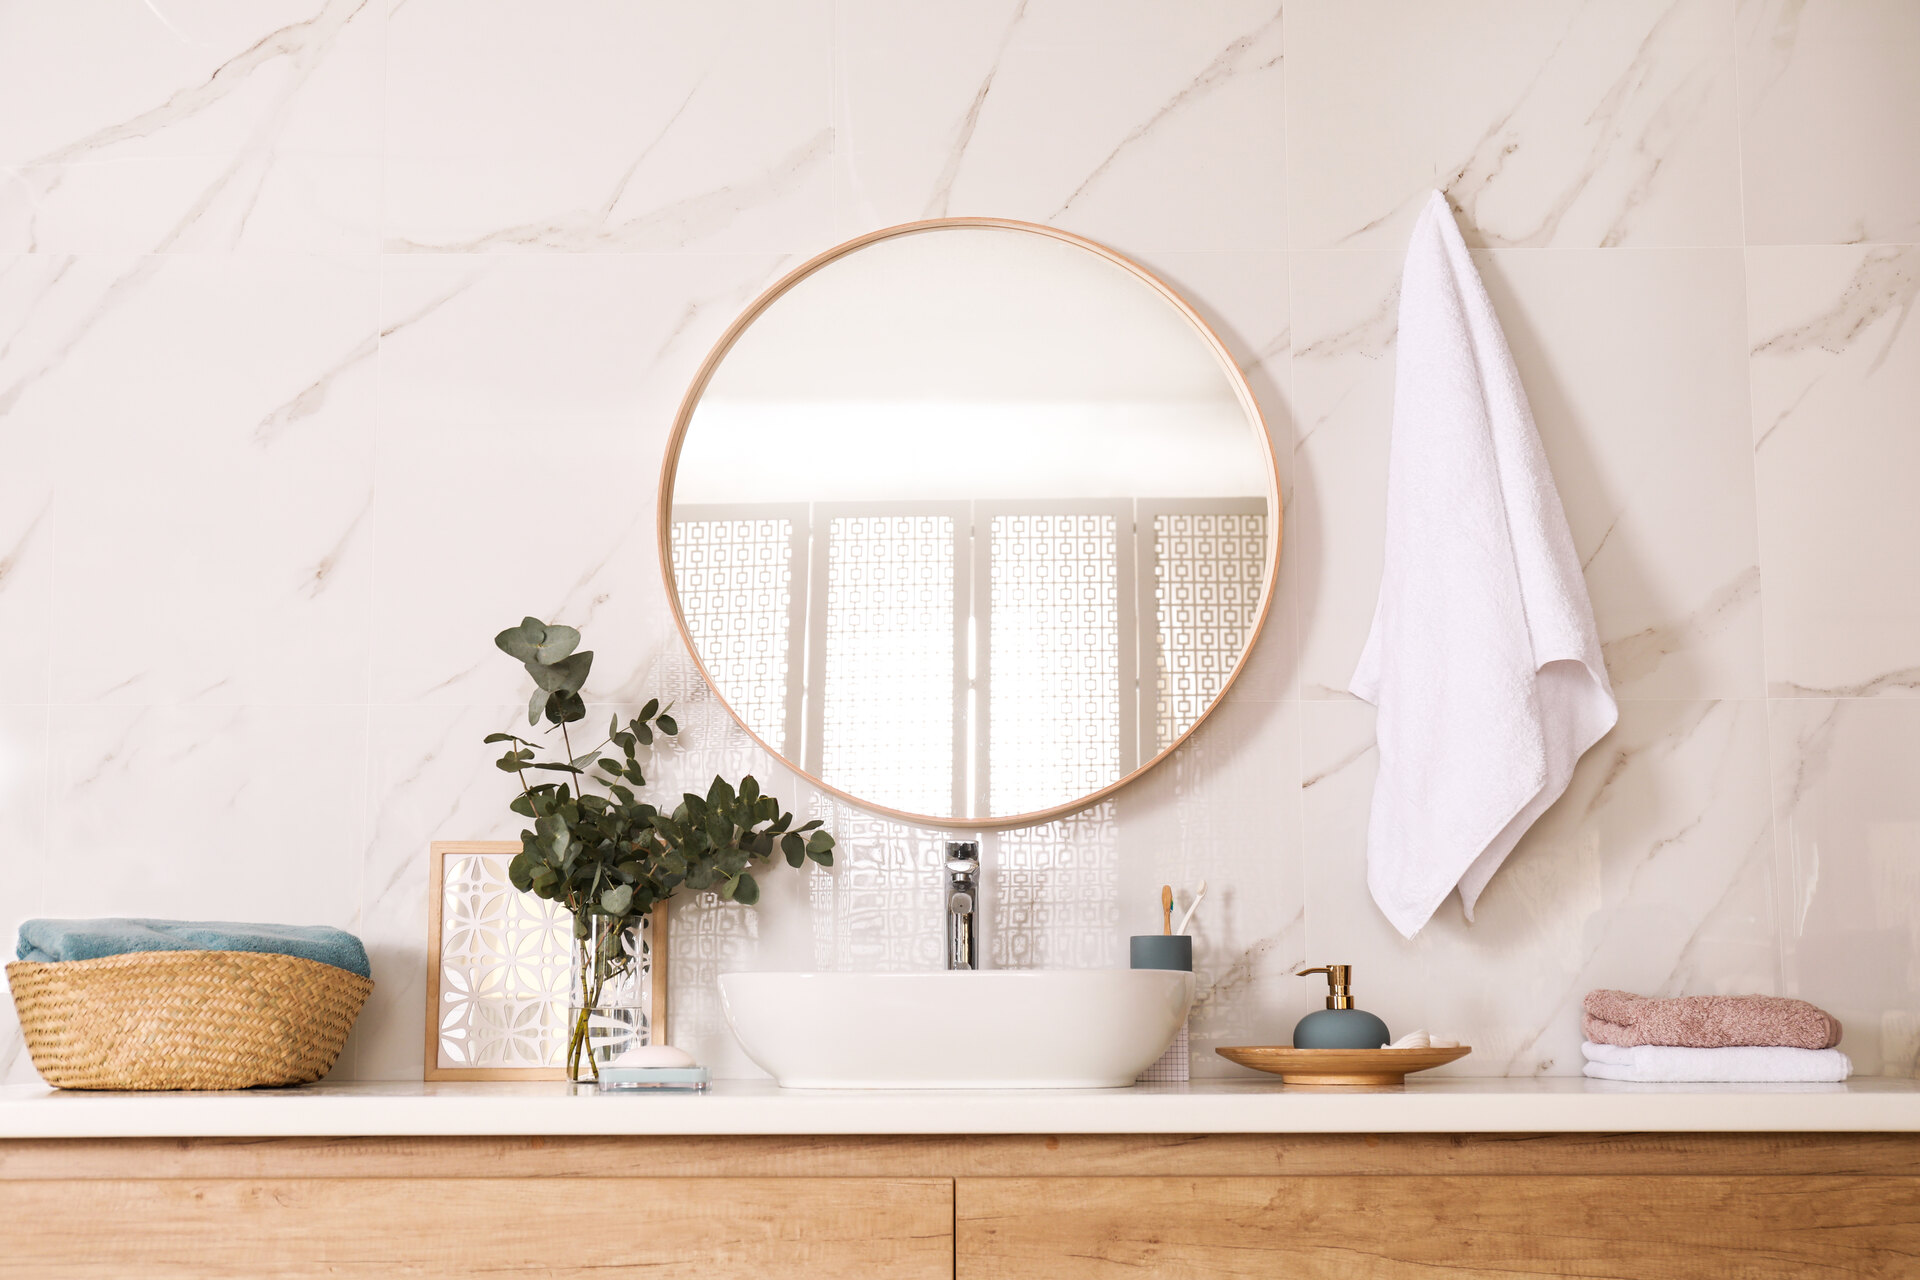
(1192, 907)
(1166, 909)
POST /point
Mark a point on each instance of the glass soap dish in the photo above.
(656, 1079)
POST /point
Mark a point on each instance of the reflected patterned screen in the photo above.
(736, 583)
(1208, 569)
(1085, 673)
(890, 660)
(1054, 636)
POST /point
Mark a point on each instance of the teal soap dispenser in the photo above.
(1339, 1025)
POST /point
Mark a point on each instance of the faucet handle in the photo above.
(963, 857)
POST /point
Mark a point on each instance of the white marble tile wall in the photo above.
(336, 333)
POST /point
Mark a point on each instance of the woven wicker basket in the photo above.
(185, 1019)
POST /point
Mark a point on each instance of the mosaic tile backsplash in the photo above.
(337, 334)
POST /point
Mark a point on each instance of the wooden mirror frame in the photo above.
(691, 401)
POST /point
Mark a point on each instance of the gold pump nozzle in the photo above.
(1339, 984)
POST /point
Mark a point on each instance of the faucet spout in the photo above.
(963, 904)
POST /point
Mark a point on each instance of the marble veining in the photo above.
(1563, 124)
(603, 227)
(334, 334)
(1829, 121)
(1835, 365)
(942, 198)
(1642, 115)
(1253, 51)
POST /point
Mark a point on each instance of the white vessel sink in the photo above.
(1004, 1029)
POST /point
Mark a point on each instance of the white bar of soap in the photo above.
(654, 1055)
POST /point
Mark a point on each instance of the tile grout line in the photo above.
(1779, 881)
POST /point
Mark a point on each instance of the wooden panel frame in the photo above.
(1229, 1155)
(667, 1228)
(437, 854)
(1786, 1205)
(1685, 1226)
(1243, 392)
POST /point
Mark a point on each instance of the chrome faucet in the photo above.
(963, 905)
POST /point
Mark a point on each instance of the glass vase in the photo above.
(609, 1004)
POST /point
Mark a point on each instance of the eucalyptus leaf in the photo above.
(557, 643)
(616, 900)
(668, 725)
(569, 674)
(524, 641)
(520, 871)
(564, 707)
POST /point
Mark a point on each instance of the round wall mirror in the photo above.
(970, 521)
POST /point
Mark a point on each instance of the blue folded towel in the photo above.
(48, 941)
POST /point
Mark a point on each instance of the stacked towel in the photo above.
(1710, 1038)
(1747, 1064)
(50, 941)
(1707, 1022)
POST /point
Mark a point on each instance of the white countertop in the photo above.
(1444, 1105)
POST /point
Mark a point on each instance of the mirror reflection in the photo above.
(971, 522)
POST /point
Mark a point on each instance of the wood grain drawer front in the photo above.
(664, 1228)
(1438, 1228)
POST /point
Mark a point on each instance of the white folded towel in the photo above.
(1752, 1064)
(1483, 658)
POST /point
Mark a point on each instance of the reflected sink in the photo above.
(1003, 1029)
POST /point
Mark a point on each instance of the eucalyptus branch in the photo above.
(613, 854)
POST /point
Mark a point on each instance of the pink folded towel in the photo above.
(1707, 1022)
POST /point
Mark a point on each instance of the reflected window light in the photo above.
(1053, 671)
(888, 728)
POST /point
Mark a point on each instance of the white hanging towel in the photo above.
(1483, 658)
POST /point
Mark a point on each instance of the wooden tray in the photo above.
(1340, 1066)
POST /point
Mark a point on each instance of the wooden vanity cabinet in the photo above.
(1451, 1207)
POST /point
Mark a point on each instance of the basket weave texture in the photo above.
(185, 1019)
